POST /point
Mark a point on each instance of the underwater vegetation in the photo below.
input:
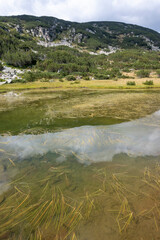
(51, 200)
(88, 182)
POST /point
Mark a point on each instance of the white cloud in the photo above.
(68, 9)
(142, 12)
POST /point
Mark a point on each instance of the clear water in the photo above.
(89, 181)
(90, 143)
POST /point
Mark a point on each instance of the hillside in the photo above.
(51, 48)
(92, 35)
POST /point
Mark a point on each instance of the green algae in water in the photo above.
(41, 111)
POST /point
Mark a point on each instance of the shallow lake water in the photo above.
(80, 165)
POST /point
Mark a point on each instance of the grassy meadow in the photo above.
(93, 84)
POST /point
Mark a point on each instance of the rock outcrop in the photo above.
(97, 35)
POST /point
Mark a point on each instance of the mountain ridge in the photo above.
(94, 50)
(93, 35)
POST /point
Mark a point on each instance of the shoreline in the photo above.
(83, 84)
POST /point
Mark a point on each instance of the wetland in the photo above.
(80, 164)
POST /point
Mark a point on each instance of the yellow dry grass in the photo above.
(92, 84)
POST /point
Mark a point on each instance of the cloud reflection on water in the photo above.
(90, 143)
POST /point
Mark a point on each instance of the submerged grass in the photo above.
(125, 215)
(54, 214)
(50, 200)
(37, 206)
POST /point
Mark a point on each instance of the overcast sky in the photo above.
(142, 12)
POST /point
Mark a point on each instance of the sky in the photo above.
(141, 12)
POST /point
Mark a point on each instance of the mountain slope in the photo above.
(25, 42)
(91, 35)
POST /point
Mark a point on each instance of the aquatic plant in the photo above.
(25, 214)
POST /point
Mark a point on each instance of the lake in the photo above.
(80, 164)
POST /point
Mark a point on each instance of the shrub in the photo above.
(76, 82)
(158, 72)
(18, 81)
(115, 72)
(84, 74)
(71, 78)
(131, 83)
(143, 73)
(101, 76)
(61, 80)
(42, 76)
(2, 80)
(127, 70)
(1, 66)
(124, 76)
(148, 82)
(20, 58)
(49, 75)
(29, 77)
(86, 78)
